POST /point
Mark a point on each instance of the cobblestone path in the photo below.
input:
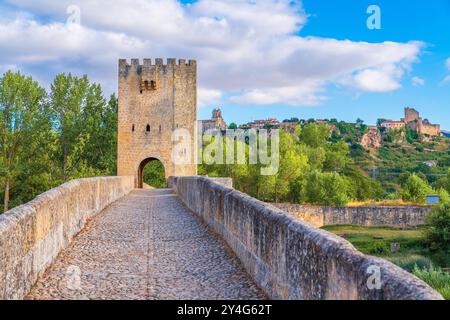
(146, 246)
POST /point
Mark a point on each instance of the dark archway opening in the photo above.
(152, 173)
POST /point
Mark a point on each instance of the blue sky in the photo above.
(402, 20)
(257, 59)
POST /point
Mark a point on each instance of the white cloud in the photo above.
(382, 79)
(207, 97)
(301, 94)
(250, 51)
(446, 80)
(417, 82)
(447, 63)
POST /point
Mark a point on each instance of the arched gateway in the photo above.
(154, 179)
(154, 101)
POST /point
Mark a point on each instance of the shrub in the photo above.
(326, 188)
(411, 261)
(378, 248)
(436, 278)
(437, 231)
(416, 189)
(411, 136)
(420, 148)
(357, 150)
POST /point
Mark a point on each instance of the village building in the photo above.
(391, 124)
(261, 124)
(413, 121)
(215, 123)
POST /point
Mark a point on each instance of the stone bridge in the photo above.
(100, 238)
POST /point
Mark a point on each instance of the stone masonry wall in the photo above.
(32, 235)
(319, 216)
(155, 99)
(290, 259)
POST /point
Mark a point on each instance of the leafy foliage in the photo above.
(23, 135)
(154, 174)
(436, 278)
(49, 138)
(312, 169)
(378, 248)
(416, 189)
(437, 232)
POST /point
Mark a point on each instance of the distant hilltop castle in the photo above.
(413, 121)
(215, 123)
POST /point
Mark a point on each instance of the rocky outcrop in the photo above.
(290, 259)
(372, 139)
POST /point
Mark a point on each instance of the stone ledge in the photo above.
(32, 235)
(392, 216)
(290, 259)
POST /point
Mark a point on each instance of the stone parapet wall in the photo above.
(319, 216)
(32, 235)
(290, 259)
(227, 182)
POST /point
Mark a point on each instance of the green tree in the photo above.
(437, 230)
(411, 135)
(22, 121)
(77, 108)
(380, 121)
(291, 165)
(154, 175)
(233, 126)
(100, 150)
(336, 156)
(328, 188)
(416, 189)
(444, 183)
(362, 187)
(314, 135)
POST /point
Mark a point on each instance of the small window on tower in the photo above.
(153, 85)
(148, 128)
(132, 128)
(146, 85)
(159, 128)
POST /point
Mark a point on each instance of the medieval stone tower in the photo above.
(154, 101)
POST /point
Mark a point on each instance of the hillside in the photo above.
(398, 153)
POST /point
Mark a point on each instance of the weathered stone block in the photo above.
(319, 216)
(291, 259)
(32, 235)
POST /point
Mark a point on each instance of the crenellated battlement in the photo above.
(123, 63)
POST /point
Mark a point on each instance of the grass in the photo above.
(363, 238)
(410, 261)
(384, 203)
(412, 256)
(436, 278)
